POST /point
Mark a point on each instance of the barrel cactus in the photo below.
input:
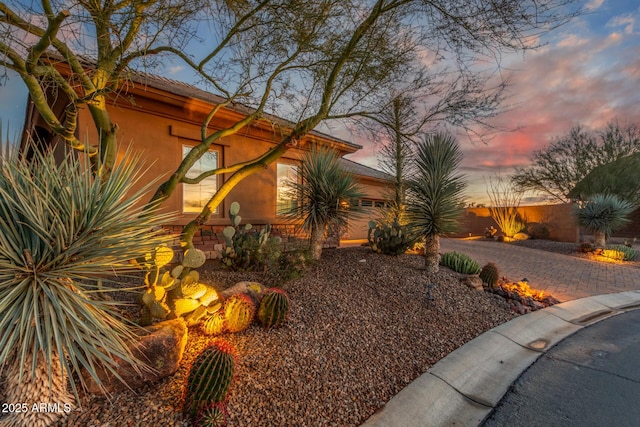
(210, 377)
(212, 415)
(490, 275)
(274, 308)
(239, 312)
(213, 325)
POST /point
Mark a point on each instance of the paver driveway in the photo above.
(563, 276)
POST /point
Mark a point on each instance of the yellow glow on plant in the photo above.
(612, 255)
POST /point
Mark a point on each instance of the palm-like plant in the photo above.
(603, 214)
(326, 192)
(435, 194)
(62, 234)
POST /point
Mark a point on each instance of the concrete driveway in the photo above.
(563, 276)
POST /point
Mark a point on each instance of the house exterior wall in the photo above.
(359, 223)
(158, 125)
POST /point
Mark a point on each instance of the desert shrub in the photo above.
(585, 247)
(291, 265)
(537, 230)
(460, 263)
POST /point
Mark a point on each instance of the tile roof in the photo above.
(184, 89)
(362, 170)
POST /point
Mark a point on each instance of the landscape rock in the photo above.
(521, 236)
(161, 348)
(472, 281)
(254, 289)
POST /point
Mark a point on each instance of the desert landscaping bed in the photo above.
(361, 328)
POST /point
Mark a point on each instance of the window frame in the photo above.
(289, 164)
(218, 156)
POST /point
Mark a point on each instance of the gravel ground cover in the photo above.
(361, 328)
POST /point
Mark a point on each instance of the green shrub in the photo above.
(460, 263)
(620, 253)
(390, 239)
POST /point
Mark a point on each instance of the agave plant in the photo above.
(327, 193)
(603, 214)
(62, 234)
(435, 194)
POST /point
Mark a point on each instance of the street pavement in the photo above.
(590, 379)
(582, 355)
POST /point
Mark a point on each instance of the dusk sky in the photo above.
(587, 73)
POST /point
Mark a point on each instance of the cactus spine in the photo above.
(212, 415)
(274, 308)
(490, 275)
(214, 324)
(239, 312)
(210, 377)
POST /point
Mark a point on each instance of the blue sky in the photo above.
(588, 72)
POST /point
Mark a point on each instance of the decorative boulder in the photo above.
(472, 280)
(521, 236)
(162, 349)
(254, 289)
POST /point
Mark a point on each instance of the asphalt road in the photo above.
(591, 378)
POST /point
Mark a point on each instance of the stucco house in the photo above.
(163, 117)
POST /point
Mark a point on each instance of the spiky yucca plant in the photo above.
(327, 193)
(435, 193)
(62, 233)
(603, 214)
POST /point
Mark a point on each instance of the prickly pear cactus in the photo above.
(239, 312)
(390, 239)
(194, 258)
(245, 247)
(168, 295)
(490, 275)
(210, 377)
(274, 308)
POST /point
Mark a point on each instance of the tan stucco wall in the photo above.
(152, 135)
(359, 224)
(160, 129)
(559, 220)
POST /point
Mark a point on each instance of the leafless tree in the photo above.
(314, 60)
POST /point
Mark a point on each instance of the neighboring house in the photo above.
(163, 118)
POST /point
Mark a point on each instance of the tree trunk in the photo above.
(35, 390)
(600, 239)
(432, 253)
(315, 242)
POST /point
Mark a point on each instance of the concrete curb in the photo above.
(464, 387)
